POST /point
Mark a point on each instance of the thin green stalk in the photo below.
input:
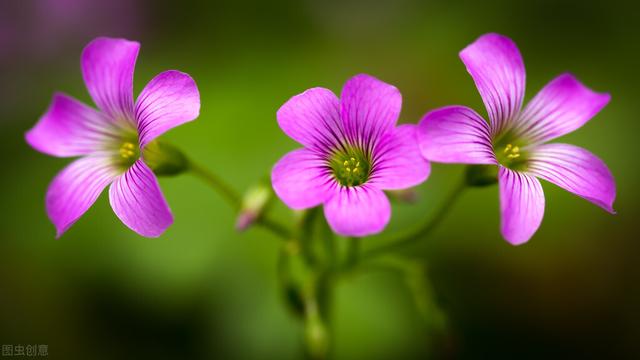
(328, 239)
(421, 231)
(305, 235)
(275, 227)
(235, 199)
(353, 251)
(228, 193)
(316, 331)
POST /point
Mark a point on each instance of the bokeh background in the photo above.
(204, 291)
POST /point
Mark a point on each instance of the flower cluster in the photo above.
(343, 165)
(352, 148)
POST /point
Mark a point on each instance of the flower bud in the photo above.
(254, 202)
(481, 175)
(316, 335)
(164, 159)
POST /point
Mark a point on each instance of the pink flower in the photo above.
(352, 151)
(516, 139)
(110, 141)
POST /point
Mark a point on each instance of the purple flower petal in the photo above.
(69, 128)
(496, 66)
(575, 170)
(301, 179)
(369, 108)
(137, 200)
(76, 188)
(358, 211)
(561, 107)
(107, 68)
(312, 119)
(398, 161)
(521, 205)
(169, 100)
(455, 134)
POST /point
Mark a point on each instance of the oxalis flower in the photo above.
(352, 151)
(516, 140)
(111, 141)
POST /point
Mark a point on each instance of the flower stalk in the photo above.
(216, 183)
(422, 230)
(353, 251)
(234, 199)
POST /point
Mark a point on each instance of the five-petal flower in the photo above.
(352, 151)
(110, 141)
(516, 140)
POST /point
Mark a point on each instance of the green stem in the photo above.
(316, 331)
(275, 227)
(328, 239)
(353, 249)
(422, 231)
(228, 193)
(235, 199)
(305, 235)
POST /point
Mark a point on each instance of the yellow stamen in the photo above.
(127, 150)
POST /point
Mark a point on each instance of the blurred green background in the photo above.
(204, 291)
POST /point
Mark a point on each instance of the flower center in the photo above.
(511, 152)
(127, 150)
(350, 168)
(511, 157)
(128, 153)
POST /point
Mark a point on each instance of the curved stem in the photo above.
(275, 227)
(423, 230)
(228, 193)
(235, 199)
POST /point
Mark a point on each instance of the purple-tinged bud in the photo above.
(253, 205)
